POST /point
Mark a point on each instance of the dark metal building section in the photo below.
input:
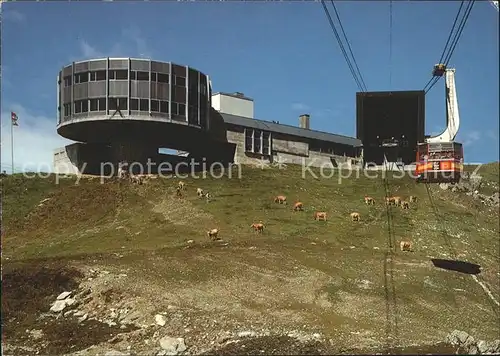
(390, 123)
(124, 109)
(141, 90)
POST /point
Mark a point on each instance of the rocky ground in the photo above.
(472, 184)
(129, 270)
(91, 319)
(95, 320)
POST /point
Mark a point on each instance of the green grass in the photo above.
(150, 227)
(489, 171)
(490, 174)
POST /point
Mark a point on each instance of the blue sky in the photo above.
(283, 55)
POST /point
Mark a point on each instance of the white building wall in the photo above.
(62, 163)
(216, 101)
(232, 105)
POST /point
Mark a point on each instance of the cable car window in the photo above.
(118, 74)
(162, 78)
(144, 76)
(134, 104)
(155, 105)
(143, 104)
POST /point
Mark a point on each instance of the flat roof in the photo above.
(132, 59)
(290, 130)
(234, 95)
(117, 58)
(391, 93)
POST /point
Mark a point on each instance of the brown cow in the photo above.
(298, 206)
(389, 200)
(405, 245)
(145, 177)
(405, 205)
(413, 199)
(369, 200)
(397, 201)
(259, 227)
(320, 215)
(280, 199)
(355, 216)
(213, 234)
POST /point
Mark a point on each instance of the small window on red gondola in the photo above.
(422, 153)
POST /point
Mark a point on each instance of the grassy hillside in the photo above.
(489, 171)
(490, 174)
(337, 277)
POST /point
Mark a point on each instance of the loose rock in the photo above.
(63, 295)
(160, 320)
(247, 333)
(79, 313)
(172, 345)
(114, 353)
(58, 306)
(466, 342)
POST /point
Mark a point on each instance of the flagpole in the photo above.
(12, 143)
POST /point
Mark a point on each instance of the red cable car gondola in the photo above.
(439, 162)
(440, 159)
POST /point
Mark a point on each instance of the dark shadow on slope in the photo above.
(28, 290)
(457, 266)
(272, 345)
(436, 349)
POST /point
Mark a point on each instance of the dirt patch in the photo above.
(65, 335)
(29, 290)
(436, 349)
(27, 293)
(272, 345)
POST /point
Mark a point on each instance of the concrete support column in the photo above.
(136, 155)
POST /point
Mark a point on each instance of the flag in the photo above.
(14, 118)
